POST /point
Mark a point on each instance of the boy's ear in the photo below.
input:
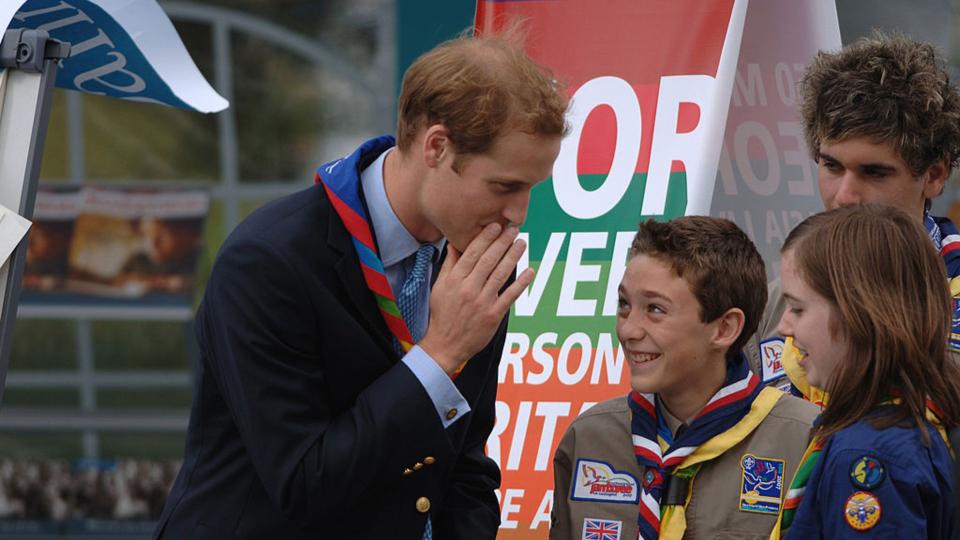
(727, 328)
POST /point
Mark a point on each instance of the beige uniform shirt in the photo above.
(597, 476)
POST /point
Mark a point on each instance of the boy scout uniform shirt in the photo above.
(598, 446)
(879, 483)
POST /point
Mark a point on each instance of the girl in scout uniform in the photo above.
(698, 449)
(868, 311)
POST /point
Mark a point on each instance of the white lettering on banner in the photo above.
(793, 147)
(775, 223)
(797, 156)
(499, 427)
(575, 272)
(787, 76)
(509, 507)
(618, 265)
(101, 38)
(580, 341)
(619, 96)
(136, 85)
(543, 511)
(519, 435)
(117, 63)
(22, 16)
(516, 346)
(741, 151)
(550, 412)
(526, 304)
(604, 357)
(65, 22)
(725, 169)
(512, 504)
(752, 91)
(668, 146)
(543, 358)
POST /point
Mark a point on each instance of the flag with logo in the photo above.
(658, 88)
(124, 49)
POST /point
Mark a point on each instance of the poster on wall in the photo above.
(664, 123)
(115, 246)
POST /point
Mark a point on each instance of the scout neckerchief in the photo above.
(728, 418)
(946, 238)
(809, 461)
(341, 181)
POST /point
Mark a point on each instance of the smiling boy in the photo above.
(698, 448)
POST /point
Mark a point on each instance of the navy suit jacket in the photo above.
(304, 420)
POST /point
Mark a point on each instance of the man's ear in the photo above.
(727, 328)
(935, 178)
(436, 145)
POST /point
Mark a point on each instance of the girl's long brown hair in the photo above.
(892, 303)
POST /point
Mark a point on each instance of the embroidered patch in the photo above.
(652, 479)
(771, 350)
(601, 529)
(761, 484)
(862, 511)
(598, 481)
(786, 387)
(867, 472)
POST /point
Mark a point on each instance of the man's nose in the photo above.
(849, 191)
(516, 209)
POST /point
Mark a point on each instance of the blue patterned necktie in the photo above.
(413, 299)
(413, 304)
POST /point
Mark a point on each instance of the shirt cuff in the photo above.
(448, 401)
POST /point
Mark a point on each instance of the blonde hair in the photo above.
(479, 88)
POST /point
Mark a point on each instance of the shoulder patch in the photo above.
(862, 511)
(761, 484)
(601, 529)
(771, 350)
(867, 472)
(596, 480)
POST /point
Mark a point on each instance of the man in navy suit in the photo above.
(350, 333)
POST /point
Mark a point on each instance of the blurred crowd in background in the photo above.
(126, 489)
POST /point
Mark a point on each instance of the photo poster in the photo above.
(678, 108)
(115, 245)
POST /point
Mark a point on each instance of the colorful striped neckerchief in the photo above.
(728, 418)
(341, 181)
(809, 462)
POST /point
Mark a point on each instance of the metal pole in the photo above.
(30, 59)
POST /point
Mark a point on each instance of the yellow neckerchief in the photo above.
(673, 519)
(790, 359)
(798, 376)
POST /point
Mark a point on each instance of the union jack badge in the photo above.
(601, 529)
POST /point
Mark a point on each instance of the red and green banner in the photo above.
(651, 85)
